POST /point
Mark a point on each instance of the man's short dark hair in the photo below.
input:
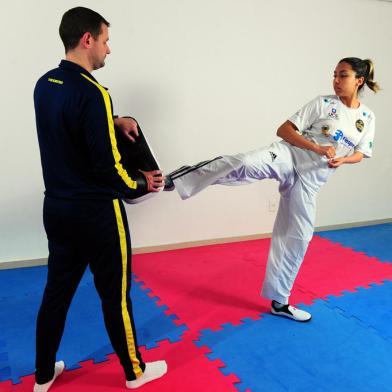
(77, 21)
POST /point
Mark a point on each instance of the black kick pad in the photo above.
(137, 156)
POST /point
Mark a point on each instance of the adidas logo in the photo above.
(273, 156)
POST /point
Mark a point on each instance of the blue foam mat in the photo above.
(21, 281)
(375, 241)
(330, 353)
(84, 337)
(371, 307)
(5, 371)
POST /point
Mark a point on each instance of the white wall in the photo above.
(203, 78)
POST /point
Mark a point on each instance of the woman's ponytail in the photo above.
(370, 76)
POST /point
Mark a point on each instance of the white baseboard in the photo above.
(192, 244)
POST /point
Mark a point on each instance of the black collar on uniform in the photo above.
(71, 66)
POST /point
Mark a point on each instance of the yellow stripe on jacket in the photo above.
(116, 154)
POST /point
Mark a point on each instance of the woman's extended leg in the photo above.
(274, 161)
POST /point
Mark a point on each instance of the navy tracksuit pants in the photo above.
(85, 233)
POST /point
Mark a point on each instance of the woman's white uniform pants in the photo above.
(294, 224)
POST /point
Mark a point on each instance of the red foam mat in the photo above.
(207, 286)
(188, 370)
(330, 268)
(211, 285)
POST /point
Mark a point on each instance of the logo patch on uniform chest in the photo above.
(325, 130)
(333, 113)
(339, 137)
(359, 125)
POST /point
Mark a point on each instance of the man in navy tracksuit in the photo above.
(84, 217)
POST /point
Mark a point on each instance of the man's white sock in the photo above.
(153, 371)
(58, 369)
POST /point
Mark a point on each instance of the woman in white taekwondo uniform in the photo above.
(327, 132)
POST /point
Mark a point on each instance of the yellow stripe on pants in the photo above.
(124, 309)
